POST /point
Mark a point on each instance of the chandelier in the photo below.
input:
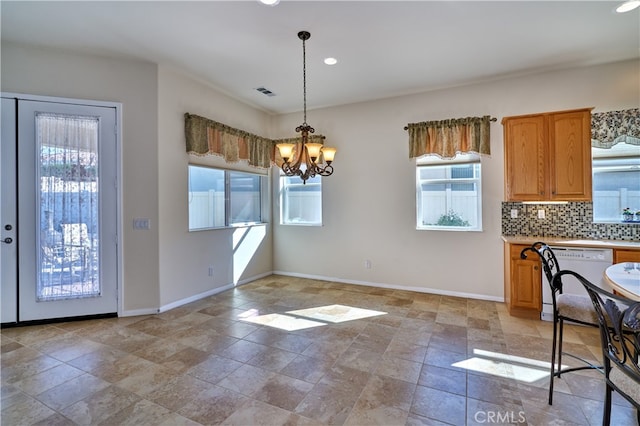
(306, 159)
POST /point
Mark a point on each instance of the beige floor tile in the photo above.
(146, 380)
(258, 413)
(247, 379)
(305, 368)
(214, 368)
(327, 404)
(272, 359)
(98, 407)
(72, 391)
(48, 379)
(23, 369)
(141, 412)
(439, 405)
(401, 369)
(212, 406)
(184, 359)
(178, 391)
(160, 350)
(283, 391)
(430, 360)
(25, 412)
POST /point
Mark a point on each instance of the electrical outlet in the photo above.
(367, 264)
(210, 271)
(541, 214)
(514, 213)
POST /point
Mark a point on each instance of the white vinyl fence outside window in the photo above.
(220, 198)
(616, 182)
(449, 193)
(300, 204)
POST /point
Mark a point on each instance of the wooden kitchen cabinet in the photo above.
(523, 282)
(548, 156)
(623, 255)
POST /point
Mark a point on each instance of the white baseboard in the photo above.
(138, 312)
(177, 303)
(395, 286)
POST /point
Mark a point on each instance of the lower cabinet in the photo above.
(624, 255)
(523, 283)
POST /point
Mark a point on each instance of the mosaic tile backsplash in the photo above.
(572, 220)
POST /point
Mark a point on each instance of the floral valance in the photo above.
(445, 138)
(208, 137)
(612, 127)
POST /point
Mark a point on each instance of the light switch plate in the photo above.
(142, 223)
(514, 213)
(541, 214)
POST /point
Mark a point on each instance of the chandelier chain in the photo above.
(304, 79)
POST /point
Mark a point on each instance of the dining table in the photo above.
(624, 278)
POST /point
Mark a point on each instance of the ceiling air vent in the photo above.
(265, 91)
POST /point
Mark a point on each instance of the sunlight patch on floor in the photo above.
(308, 318)
(336, 313)
(283, 322)
(508, 366)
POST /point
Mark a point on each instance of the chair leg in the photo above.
(606, 415)
(553, 359)
(561, 322)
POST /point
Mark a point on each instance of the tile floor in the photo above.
(428, 360)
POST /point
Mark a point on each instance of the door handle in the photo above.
(7, 240)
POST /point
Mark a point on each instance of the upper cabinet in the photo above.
(548, 156)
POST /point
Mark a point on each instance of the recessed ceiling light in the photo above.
(333, 61)
(269, 2)
(628, 6)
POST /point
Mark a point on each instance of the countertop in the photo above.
(569, 242)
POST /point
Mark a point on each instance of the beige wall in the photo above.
(369, 202)
(28, 70)
(237, 254)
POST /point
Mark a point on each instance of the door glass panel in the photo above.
(68, 264)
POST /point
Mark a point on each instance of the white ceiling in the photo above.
(384, 48)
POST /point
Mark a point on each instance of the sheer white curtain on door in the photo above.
(69, 206)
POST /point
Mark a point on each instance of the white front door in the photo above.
(67, 210)
(8, 214)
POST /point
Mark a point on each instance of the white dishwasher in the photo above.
(588, 262)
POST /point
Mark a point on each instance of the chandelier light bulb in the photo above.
(328, 154)
(286, 150)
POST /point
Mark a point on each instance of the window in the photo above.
(220, 198)
(300, 204)
(448, 193)
(616, 181)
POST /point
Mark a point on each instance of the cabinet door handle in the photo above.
(535, 268)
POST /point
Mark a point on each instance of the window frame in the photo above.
(435, 161)
(228, 195)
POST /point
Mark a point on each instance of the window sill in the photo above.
(448, 228)
(234, 226)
